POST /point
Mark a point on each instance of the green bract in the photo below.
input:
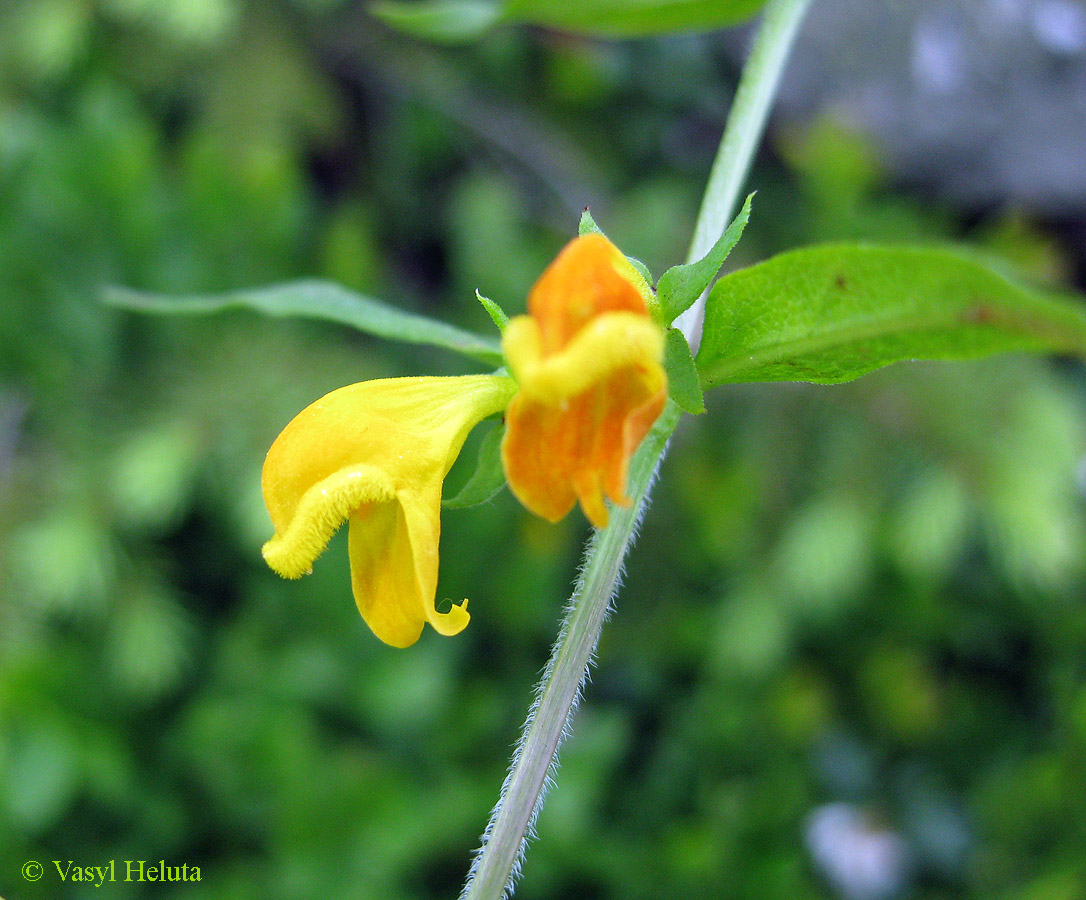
(487, 478)
(680, 286)
(683, 383)
(587, 225)
(497, 315)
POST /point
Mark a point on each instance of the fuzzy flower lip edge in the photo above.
(320, 513)
(375, 454)
(589, 362)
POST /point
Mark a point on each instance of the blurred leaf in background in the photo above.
(453, 21)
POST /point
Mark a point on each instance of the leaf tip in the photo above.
(587, 224)
(497, 315)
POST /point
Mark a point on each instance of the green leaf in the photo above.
(321, 300)
(683, 383)
(441, 21)
(488, 477)
(459, 21)
(631, 18)
(497, 315)
(587, 225)
(831, 313)
(680, 286)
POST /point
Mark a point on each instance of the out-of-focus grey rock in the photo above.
(983, 100)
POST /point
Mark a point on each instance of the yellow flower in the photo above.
(588, 361)
(589, 385)
(375, 454)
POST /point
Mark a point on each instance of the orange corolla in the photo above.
(588, 363)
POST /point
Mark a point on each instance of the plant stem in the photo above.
(497, 863)
(746, 122)
(535, 759)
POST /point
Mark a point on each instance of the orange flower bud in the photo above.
(588, 362)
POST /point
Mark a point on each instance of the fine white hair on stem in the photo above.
(497, 863)
(594, 592)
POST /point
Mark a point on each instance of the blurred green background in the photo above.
(849, 659)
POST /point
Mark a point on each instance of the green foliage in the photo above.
(683, 380)
(631, 18)
(321, 300)
(830, 314)
(455, 21)
(163, 695)
(488, 476)
(442, 21)
(680, 286)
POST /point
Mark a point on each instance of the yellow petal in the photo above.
(610, 342)
(376, 453)
(393, 548)
(305, 524)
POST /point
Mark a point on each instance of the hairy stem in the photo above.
(497, 863)
(535, 758)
